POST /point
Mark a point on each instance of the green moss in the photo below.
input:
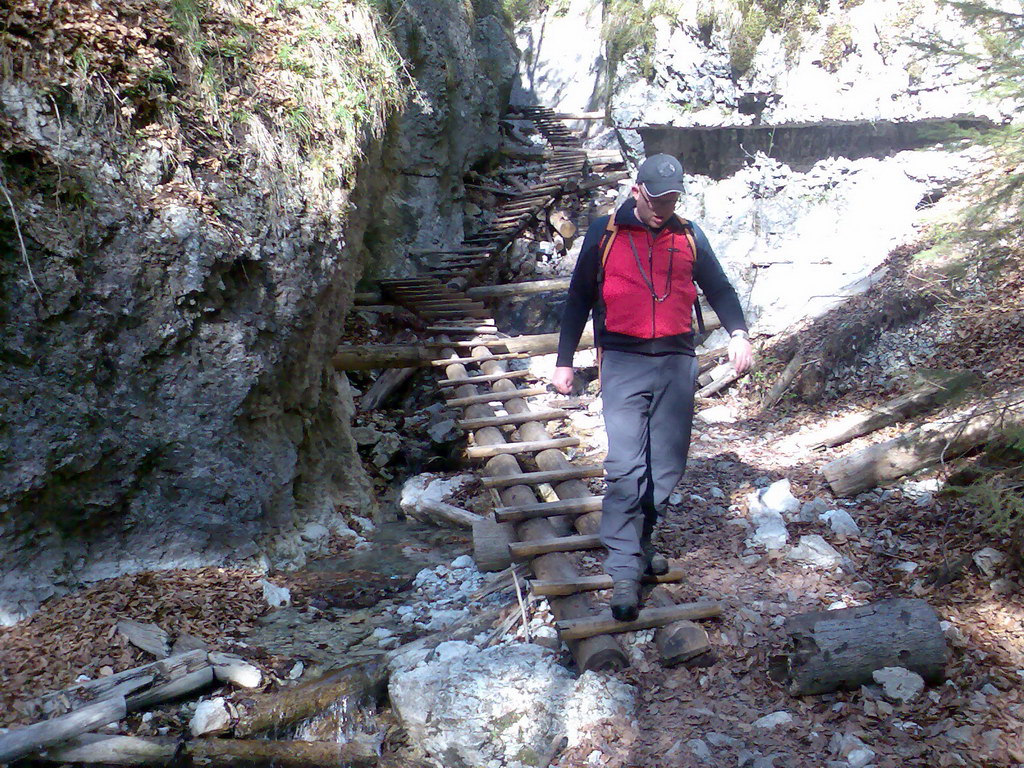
(746, 37)
(837, 46)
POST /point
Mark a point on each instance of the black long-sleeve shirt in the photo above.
(584, 294)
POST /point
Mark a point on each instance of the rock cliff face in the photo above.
(178, 264)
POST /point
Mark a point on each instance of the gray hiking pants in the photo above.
(648, 413)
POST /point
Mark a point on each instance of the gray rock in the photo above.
(774, 720)
(859, 758)
(275, 596)
(988, 561)
(810, 511)
(700, 749)
(814, 552)
(898, 684)
(841, 523)
(211, 716)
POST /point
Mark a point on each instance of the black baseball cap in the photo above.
(660, 175)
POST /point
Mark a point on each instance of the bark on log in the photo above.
(926, 446)
(440, 512)
(224, 753)
(359, 684)
(19, 742)
(927, 396)
(785, 379)
(829, 650)
(678, 642)
(368, 357)
(648, 618)
(157, 681)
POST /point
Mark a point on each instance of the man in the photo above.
(639, 278)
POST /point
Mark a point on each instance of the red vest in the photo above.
(629, 306)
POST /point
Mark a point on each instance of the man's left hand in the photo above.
(741, 354)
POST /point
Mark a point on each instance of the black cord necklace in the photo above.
(649, 279)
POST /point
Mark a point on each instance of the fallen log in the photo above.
(832, 650)
(785, 379)
(926, 446)
(384, 387)
(367, 357)
(440, 512)
(928, 395)
(19, 742)
(141, 686)
(357, 685)
(93, 749)
(517, 289)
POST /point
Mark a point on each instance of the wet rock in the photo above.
(469, 707)
(841, 523)
(814, 552)
(898, 684)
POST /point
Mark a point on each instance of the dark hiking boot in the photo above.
(625, 600)
(657, 565)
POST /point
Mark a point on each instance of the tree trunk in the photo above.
(384, 387)
(829, 650)
(926, 446)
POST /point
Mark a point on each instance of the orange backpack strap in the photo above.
(609, 237)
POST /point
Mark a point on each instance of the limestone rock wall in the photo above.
(170, 295)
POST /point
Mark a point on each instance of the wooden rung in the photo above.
(486, 378)
(452, 303)
(578, 506)
(462, 329)
(536, 478)
(495, 397)
(512, 418)
(591, 583)
(578, 629)
(482, 359)
(524, 550)
(488, 451)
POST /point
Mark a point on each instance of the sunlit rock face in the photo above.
(166, 391)
(810, 154)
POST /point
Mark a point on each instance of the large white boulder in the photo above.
(467, 707)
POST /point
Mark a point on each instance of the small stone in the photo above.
(718, 414)
(1003, 586)
(296, 671)
(814, 552)
(276, 597)
(898, 684)
(699, 748)
(778, 498)
(859, 758)
(210, 716)
(721, 740)
(862, 587)
(841, 523)
(988, 561)
(463, 561)
(675, 498)
(774, 720)
(811, 510)
(717, 492)
(907, 566)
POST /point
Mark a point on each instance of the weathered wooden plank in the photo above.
(576, 629)
(536, 478)
(495, 397)
(486, 378)
(524, 550)
(574, 506)
(530, 446)
(510, 419)
(482, 359)
(551, 588)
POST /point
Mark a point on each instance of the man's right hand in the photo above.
(562, 379)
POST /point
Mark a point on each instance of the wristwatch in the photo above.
(739, 333)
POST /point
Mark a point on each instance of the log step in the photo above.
(481, 359)
(486, 378)
(530, 446)
(577, 506)
(495, 397)
(513, 418)
(592, 583)
(524, 550)
(471, 329)
(536, 478)
(578, 629)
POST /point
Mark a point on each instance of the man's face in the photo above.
(654, 211)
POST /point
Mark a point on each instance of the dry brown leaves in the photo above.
(77, 634)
